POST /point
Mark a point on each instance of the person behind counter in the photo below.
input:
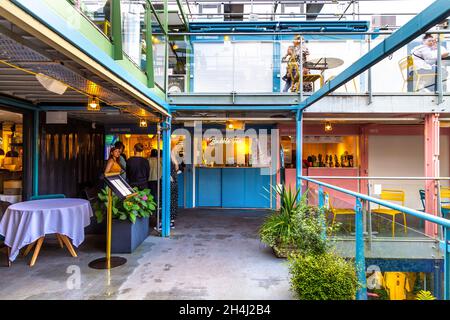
(138, 169)
(113, 164)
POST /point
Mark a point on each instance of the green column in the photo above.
(116, 27)
(149, 50)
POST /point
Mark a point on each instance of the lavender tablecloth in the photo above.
(25, 222)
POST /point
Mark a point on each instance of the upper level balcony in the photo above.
(245, 68)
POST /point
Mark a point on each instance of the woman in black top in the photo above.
(138, 169)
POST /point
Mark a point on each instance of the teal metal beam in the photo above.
(360, 260)
(72, 108)
(234, 108)
(8, 101)
(446, 264)
(435, 13)
(166, 162)
(299, 151)
(116, 27)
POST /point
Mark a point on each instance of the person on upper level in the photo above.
(425, 58)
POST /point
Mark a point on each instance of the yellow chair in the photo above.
(345, 84)
(336, 211)
(445, 205)
(392, 195)
(409, 73)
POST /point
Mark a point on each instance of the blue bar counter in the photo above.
(233, 187)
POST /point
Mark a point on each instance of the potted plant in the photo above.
(130, 218)
(295, 227)
(324, 276)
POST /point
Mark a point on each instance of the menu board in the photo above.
(119, 186)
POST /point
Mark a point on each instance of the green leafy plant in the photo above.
(425, 295)
(140, 205)
(325, 276)
(296, 224)
(279, 227)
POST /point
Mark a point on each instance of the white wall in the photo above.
(233, 66)
(403, 156)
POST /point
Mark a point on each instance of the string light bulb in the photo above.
(143, 123)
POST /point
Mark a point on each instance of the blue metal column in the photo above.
(321, 203)
(36, 153)
(360, 259)
(446, 264)
(165, 219)
(299, 145)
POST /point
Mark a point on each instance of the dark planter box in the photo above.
(127, 236)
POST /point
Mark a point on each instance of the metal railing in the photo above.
(361, 201)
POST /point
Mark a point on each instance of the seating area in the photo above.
(387, 218)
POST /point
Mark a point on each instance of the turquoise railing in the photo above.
(360, 203)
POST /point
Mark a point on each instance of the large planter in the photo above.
(127, 236)
(283, 251)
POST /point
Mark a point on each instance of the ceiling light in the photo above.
(93, 104)
(143, 123)
(51, 84)
(328, 127)
(150, 136)
(128, 136)
(155, 40)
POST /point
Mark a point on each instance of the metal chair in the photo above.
(392, 195)
(409, 73)
(445, 205)
(336, 211)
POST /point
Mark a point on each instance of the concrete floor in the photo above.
(212, 254)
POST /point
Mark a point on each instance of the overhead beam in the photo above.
(435, 13)
(312, 10)
(233, 108)
(183, 15)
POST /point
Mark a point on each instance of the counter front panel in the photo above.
(232, 188)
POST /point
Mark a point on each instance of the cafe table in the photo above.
(27, 223)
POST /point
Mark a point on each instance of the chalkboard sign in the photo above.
(119, 186)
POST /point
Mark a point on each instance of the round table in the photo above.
(323, 63)
(27, 223)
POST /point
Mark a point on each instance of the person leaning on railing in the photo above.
(425, 60)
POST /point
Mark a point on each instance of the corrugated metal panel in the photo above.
(71, 157)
